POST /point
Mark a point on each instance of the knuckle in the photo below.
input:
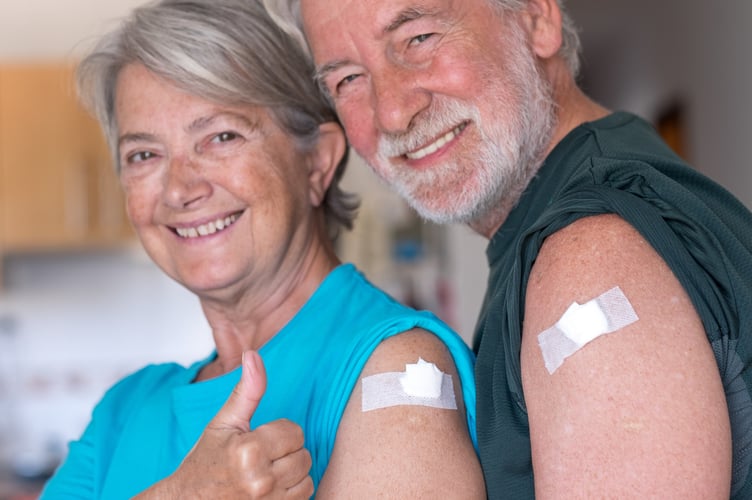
(252, 454)
(260, 486)
(307, 460)
(294, 430)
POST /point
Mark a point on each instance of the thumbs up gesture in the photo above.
(232, 461)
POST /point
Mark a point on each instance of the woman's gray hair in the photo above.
(287, 14)
(227, 51)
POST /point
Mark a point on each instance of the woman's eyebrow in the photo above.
(205, 121)
(135, 137)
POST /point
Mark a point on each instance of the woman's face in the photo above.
(218, 195)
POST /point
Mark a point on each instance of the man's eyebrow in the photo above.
(405, 16)
(323, 71)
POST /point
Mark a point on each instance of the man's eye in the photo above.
(346, 80)
(420, 38)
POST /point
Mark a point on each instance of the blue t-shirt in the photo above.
(145, 425)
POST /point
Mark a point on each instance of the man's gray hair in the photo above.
(287, 14)
(227, 51)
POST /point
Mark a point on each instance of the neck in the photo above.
(252, 317)
(573, 108)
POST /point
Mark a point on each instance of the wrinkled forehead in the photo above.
(329, 25)
(339, 16)
(328, 20)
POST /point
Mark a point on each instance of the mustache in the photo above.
(427, 128)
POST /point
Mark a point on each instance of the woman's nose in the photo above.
(185, 183)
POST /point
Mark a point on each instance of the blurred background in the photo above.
(81, 305)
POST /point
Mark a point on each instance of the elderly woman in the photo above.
(230, 160)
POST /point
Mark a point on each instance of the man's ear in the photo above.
(543, 21)
(324, 159)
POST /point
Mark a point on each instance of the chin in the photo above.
(201, 284)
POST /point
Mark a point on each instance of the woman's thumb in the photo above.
(245, 397)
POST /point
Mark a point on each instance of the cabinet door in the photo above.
(107, 220)
(53, 165)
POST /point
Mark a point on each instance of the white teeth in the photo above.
(434, 146)
(206, 229)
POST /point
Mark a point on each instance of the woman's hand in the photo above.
(231, 461)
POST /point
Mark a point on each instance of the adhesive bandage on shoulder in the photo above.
(582, 323)
(421, 384)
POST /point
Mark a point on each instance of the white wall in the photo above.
(641, 54)
(74, 324)
(719, 81)
(43, 29)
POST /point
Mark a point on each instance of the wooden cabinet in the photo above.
(58, 190)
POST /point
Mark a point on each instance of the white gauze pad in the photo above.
(582, 323)
(421, 384)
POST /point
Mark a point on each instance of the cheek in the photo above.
(357, 119)
(137, 206)
(461, 74)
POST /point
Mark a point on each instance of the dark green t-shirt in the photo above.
(616, 165)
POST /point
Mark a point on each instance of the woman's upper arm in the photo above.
(405, 451)
(636, 413)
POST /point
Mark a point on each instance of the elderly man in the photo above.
(614, 342)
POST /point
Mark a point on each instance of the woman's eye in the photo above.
(139, 157)
(225, 137)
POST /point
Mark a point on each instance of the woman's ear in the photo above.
(543, 22)
(324, 159)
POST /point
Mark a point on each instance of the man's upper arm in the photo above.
(404, 451)
(636, 413)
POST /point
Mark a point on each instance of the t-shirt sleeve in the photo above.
(82, 473)
(75, 478)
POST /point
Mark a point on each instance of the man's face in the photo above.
(441, 97)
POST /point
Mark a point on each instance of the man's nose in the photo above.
(398, 98)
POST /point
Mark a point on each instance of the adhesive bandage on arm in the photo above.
(582, 323)
(421, 384)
